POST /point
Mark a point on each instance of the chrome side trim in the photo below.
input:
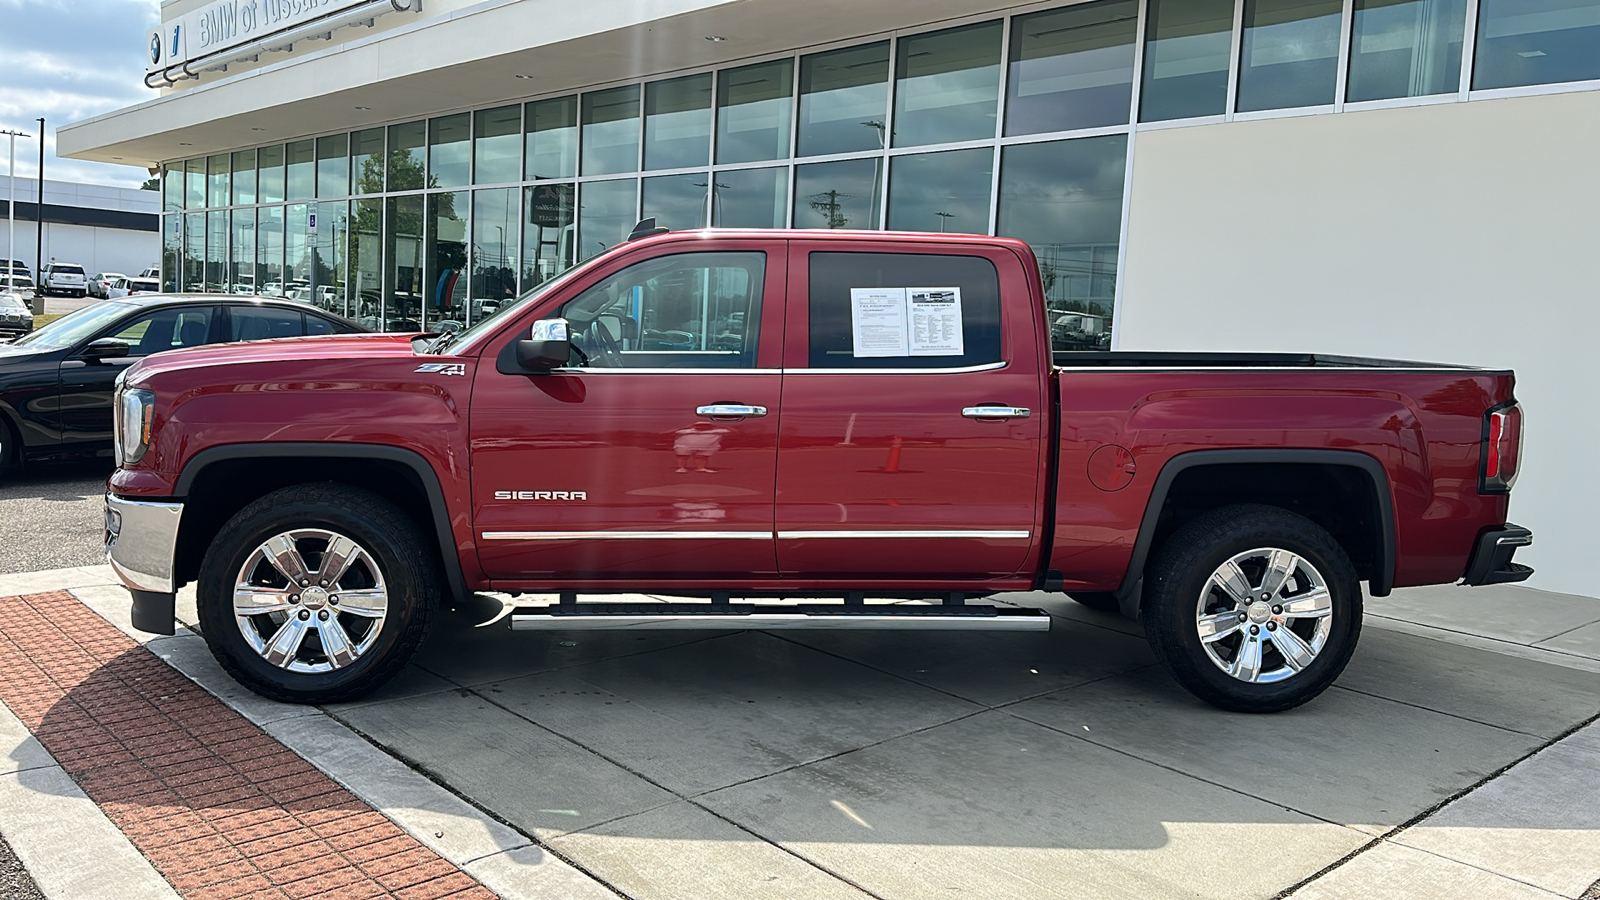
(779, 621)
(142, 542)
(627, 535)
(662, 370)
(907, 535)
(986, 367)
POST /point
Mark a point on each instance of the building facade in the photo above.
(1410, 178)
(103, 229)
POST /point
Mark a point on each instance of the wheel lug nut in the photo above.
(1255, 629)
(294, 598)
(323, 615)
(1266, 596)
(323, 583)
(1272, 626)
(333, 600)
(305, 614)
(1277, 610)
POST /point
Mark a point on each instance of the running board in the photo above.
(741, 617)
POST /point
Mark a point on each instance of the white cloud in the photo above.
(68, 60)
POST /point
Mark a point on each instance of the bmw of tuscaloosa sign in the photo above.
(224, 24)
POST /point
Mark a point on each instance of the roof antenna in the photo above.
(646, 228)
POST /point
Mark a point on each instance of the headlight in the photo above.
(132, 426)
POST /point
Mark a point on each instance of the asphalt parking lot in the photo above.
(52, 517)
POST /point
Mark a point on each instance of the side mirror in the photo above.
(547, 346)
(104, 348)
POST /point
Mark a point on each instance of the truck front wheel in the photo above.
(317, 593)
(1252, 608)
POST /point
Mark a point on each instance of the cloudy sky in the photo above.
(68, 60)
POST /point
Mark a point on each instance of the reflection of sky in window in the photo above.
(941, 191)
(840, 194)
(611, 131)
(605, 214)
(843, 100)
(753, 119)
(750, 198)
(1063, 192)
(948, 85)
(678, 123)
(676, 201)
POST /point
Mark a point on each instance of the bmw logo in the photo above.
(155, 48)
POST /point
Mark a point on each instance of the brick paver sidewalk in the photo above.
(220, 808)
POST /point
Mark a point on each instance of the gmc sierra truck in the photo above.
(787, 429)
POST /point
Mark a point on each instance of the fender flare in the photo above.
(455, 579)
(1378, 586)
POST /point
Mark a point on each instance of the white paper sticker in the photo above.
(878, 321)
(935, 321)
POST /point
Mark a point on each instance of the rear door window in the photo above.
(251, 324)
(166, 329)
(903, 311)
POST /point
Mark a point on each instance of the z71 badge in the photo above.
(443, 368)
(541, 495)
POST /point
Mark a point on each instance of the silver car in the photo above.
(16, 318)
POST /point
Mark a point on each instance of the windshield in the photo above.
(73, 327)
(463, 341)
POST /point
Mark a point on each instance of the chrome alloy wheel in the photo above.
(1264, 615)
(310, 600)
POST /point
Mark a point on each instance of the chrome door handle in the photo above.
(729, 411)
(997, 412)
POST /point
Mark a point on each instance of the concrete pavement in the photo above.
(667, 765)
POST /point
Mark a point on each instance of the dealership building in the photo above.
(1401, 178)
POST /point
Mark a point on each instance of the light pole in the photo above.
(944, 217)
(11, 211)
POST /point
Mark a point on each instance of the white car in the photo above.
(100, 284)
(16, 317)
(64, 278)
(124, 287)
(17, 282)
(152, 272)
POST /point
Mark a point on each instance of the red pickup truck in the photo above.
(787, 430)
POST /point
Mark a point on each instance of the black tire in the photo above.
(1100, 601)
(404, 557)
(1182, 569)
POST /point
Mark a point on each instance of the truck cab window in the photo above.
(946, 309)
(685, 311)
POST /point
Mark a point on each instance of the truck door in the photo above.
(913, 411)
(652, 454)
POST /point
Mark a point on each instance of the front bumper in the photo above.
(142, 547)
(1491, 559)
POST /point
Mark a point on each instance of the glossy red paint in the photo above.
(838, 451)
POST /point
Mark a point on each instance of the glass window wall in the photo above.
(495, 213)
(607, 212)
(333, 165)
(1523, 42)
(328, 256)
(1186, 49)
(171, 251)
(172, 187)
(194, 252)
(750, 198)
(1405, 48)
(844, 97)
(1065, 199)
(407, 162)
(1290, 55)
(677, 122)
(216, 270)
(366, 263)
(194, 180)
(842, 194)
(676, 201)
(445, 284)
(218, 169)
(366, 161)
(401, 309)
(551, 138)
(242, 266)
(611, 131)
(300, 177)
(297, 252)
(449, 153)
(944, 192)
(947, 85)
(548, 234)
(244, 177)
(754, 107)
(497, 145)
(269, 251)
(269, 174)
(1072, 68)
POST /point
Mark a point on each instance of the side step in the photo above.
(746, 616)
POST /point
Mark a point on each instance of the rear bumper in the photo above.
(142, 545)
(1491, 559)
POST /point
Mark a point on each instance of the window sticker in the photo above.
(913, 321)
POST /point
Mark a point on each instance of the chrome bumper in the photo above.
(142, 542)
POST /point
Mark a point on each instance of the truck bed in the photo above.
(1159, 359)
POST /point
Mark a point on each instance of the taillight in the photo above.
(1502, 447)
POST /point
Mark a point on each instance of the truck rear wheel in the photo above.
(317, 593)
(1252, 608)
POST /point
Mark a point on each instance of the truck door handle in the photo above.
(997, 412)
(729, 411)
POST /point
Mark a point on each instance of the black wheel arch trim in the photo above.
(455, 578)
(1379, 585)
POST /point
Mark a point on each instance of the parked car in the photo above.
(17, 267)
(56, 383)
(16, 317)
(127, 287)
(64, 278)
(151, 272)
(18, 282)
(857, 436)
(100, 285)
